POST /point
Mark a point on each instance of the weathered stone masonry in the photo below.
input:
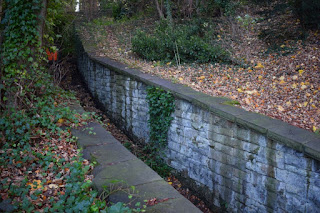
(242, 161)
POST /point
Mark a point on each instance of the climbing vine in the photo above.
(22, 75)
(161, 106)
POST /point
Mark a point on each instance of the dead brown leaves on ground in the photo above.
(284, 84)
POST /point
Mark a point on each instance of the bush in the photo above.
(183, 42)
(120, 10)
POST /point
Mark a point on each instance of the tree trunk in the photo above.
(42, 18)
(188, 5)
(1, 10)
(160, 13)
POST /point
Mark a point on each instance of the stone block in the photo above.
(274, 185)
(224, 149)
(257, 193)
(201, 142)
(239, 173)
(299, 171)
(173, 137)
(313, 196)
(186, 115)
(296, 184)
(185, 123)
(243, 134)
(215, 129)
(190, 133)
(185, 106)
(243, 155)
(295, 203)
(314, 178)
(296, 189)
(174, 146)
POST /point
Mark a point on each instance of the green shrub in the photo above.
(227, 7)
(184, 42)
(120, 10)
(147, 47)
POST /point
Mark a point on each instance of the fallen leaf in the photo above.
(300, 72)
(314, 128)
(251, 92)
(259, 66)
(247, 100)
(53, 186)
(35, 184)
(61, 120)
(280, 108)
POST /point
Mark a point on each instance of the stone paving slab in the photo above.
(98, 135)
(108, 154)
(120, 169)
(156, 189)
(74, 105)
(174, 206)
(133, 173)
(167, 197)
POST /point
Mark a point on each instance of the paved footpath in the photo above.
(118, 169)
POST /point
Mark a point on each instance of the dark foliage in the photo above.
(184, 43)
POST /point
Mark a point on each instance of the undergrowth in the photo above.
(180, 43)
(34, 149)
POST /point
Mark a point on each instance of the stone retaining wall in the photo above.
(237, 160)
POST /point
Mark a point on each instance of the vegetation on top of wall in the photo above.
(270, 47)
(180, 43)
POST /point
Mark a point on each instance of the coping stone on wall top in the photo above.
(294, 137)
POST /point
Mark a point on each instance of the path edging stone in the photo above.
(120, 169)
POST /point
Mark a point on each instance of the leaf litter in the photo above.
(281, 82)
(43, 181)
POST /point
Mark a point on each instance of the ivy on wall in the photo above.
(161, 106)
(22, 73)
